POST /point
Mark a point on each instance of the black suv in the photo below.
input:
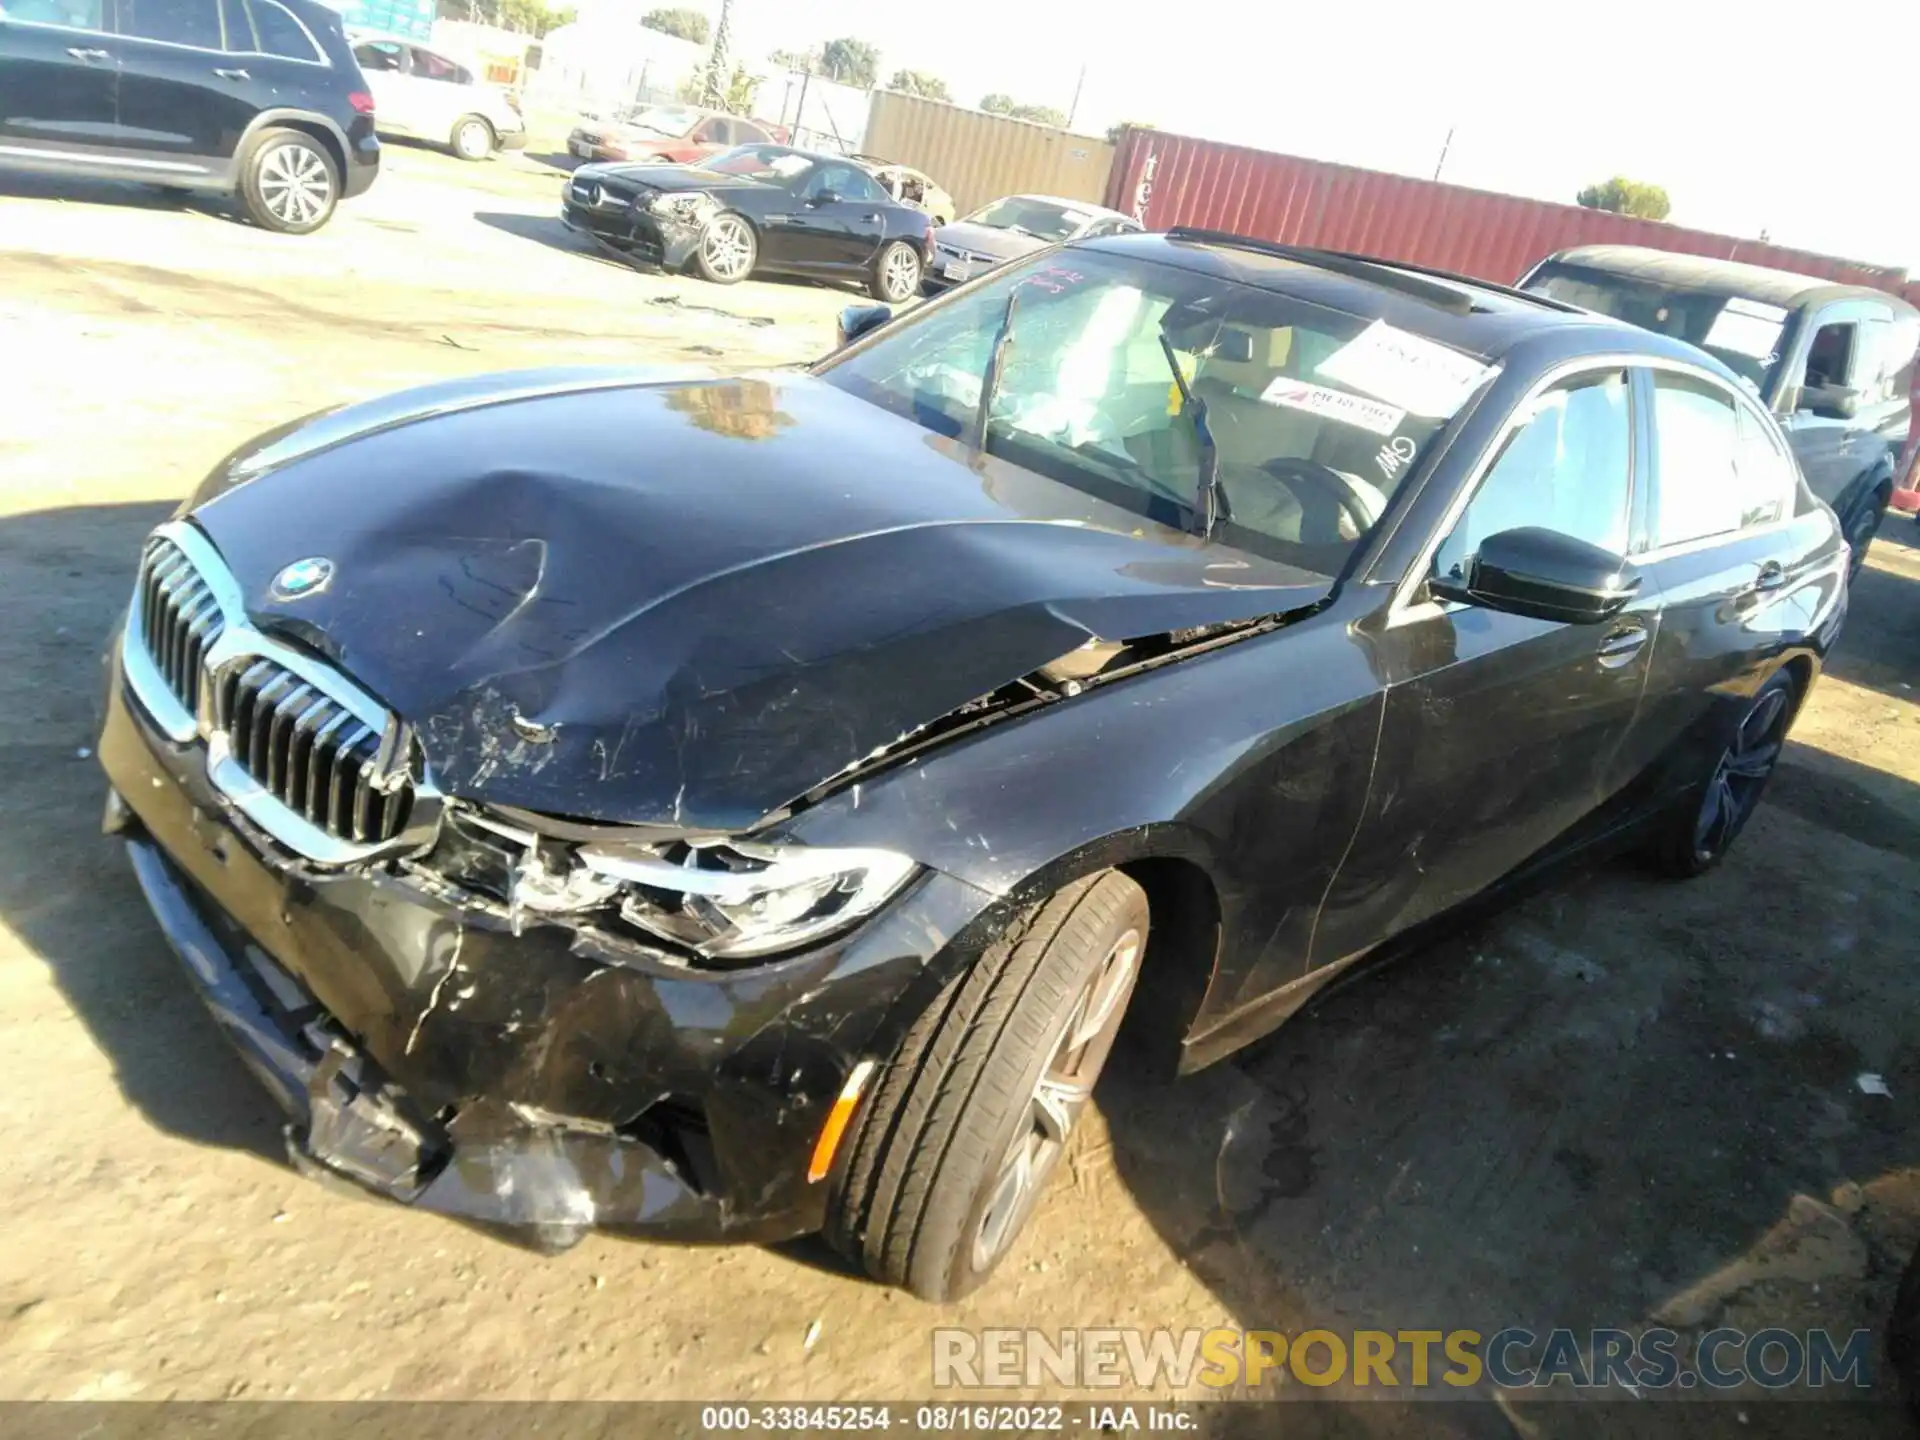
(1834, 362)
(256, 98)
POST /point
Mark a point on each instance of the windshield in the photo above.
(1317, 416)
(775, 163)
(1042, 219)
(1743, 335)
(673, 120)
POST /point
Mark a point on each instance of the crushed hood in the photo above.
(689, 602)
(989, 240)
(666, 177)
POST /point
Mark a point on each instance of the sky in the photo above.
(1806, 130)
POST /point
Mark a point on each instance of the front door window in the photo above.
(1566, 464)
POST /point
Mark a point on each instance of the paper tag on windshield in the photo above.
(1334, 404)
(1747, 327)
(1405, 369)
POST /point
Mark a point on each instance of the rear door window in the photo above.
(380, 55)
(429, 66)
(176, 22)
(280, 34)
(1716, 468)
(61, 14)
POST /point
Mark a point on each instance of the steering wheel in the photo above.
(1308, 480)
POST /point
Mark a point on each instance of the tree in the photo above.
(528, 17)
(719, 63)
(1039, 115)
(1114, 132)
(1627, 197)
(795, 60)
(851, 62)
(998, 104)
(919, 82)
(681, 23)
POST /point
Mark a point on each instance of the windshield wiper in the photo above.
(1211, 503)
(996, 358)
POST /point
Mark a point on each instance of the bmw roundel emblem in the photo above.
(302, 578)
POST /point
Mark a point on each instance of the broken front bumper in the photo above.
(427, 1053)
(668, 244)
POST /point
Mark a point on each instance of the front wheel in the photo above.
(472, 138)
(896, 273)
(1697, 832)
(727, 250)
(288, 182)
(975, 1110)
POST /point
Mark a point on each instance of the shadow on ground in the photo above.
(1573, 1112)
(67, 190)
(64, 576)
(1884, 653)
(1565, 1115)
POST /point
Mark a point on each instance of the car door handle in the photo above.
(870, 219)
(233, 74)
(1621, 645)
(80, 52)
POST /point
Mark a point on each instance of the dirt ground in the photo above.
(1619, 1100)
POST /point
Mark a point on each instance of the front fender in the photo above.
(1250, 763)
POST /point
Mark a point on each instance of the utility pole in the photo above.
(1074, 108)
(1445, 145)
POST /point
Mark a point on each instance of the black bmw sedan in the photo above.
(755, 209)
(740, 807)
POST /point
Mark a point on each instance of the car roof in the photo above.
(1715, 277)
(1470, 315)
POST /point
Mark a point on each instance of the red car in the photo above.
(679, 134)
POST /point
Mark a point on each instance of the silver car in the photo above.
(1012, 226)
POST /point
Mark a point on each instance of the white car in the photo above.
(421, 94)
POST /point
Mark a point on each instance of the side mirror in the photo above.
(857, 320)
(1542, 574)
(826, 197)
(1832, 402)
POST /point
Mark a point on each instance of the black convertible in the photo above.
(741, 807)
(755, 208)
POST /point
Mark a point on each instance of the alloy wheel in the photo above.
(900, 275)
(1741, 774)
(473, 140)
(295, 184)
(728, 247)
(1059, 1095)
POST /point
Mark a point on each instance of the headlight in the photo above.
(731, 900)
(683, 207)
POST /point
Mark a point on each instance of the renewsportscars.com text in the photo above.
(1514, 1358)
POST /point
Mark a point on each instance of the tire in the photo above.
(1699, 829)
(288, 182)
(955, 1148)
(728, 249)
(472, 138)
(896, 273)
(1860, 534)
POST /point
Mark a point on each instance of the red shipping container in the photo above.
(1165, 180)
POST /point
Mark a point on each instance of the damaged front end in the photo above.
(487, 844)
(518, 1022)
